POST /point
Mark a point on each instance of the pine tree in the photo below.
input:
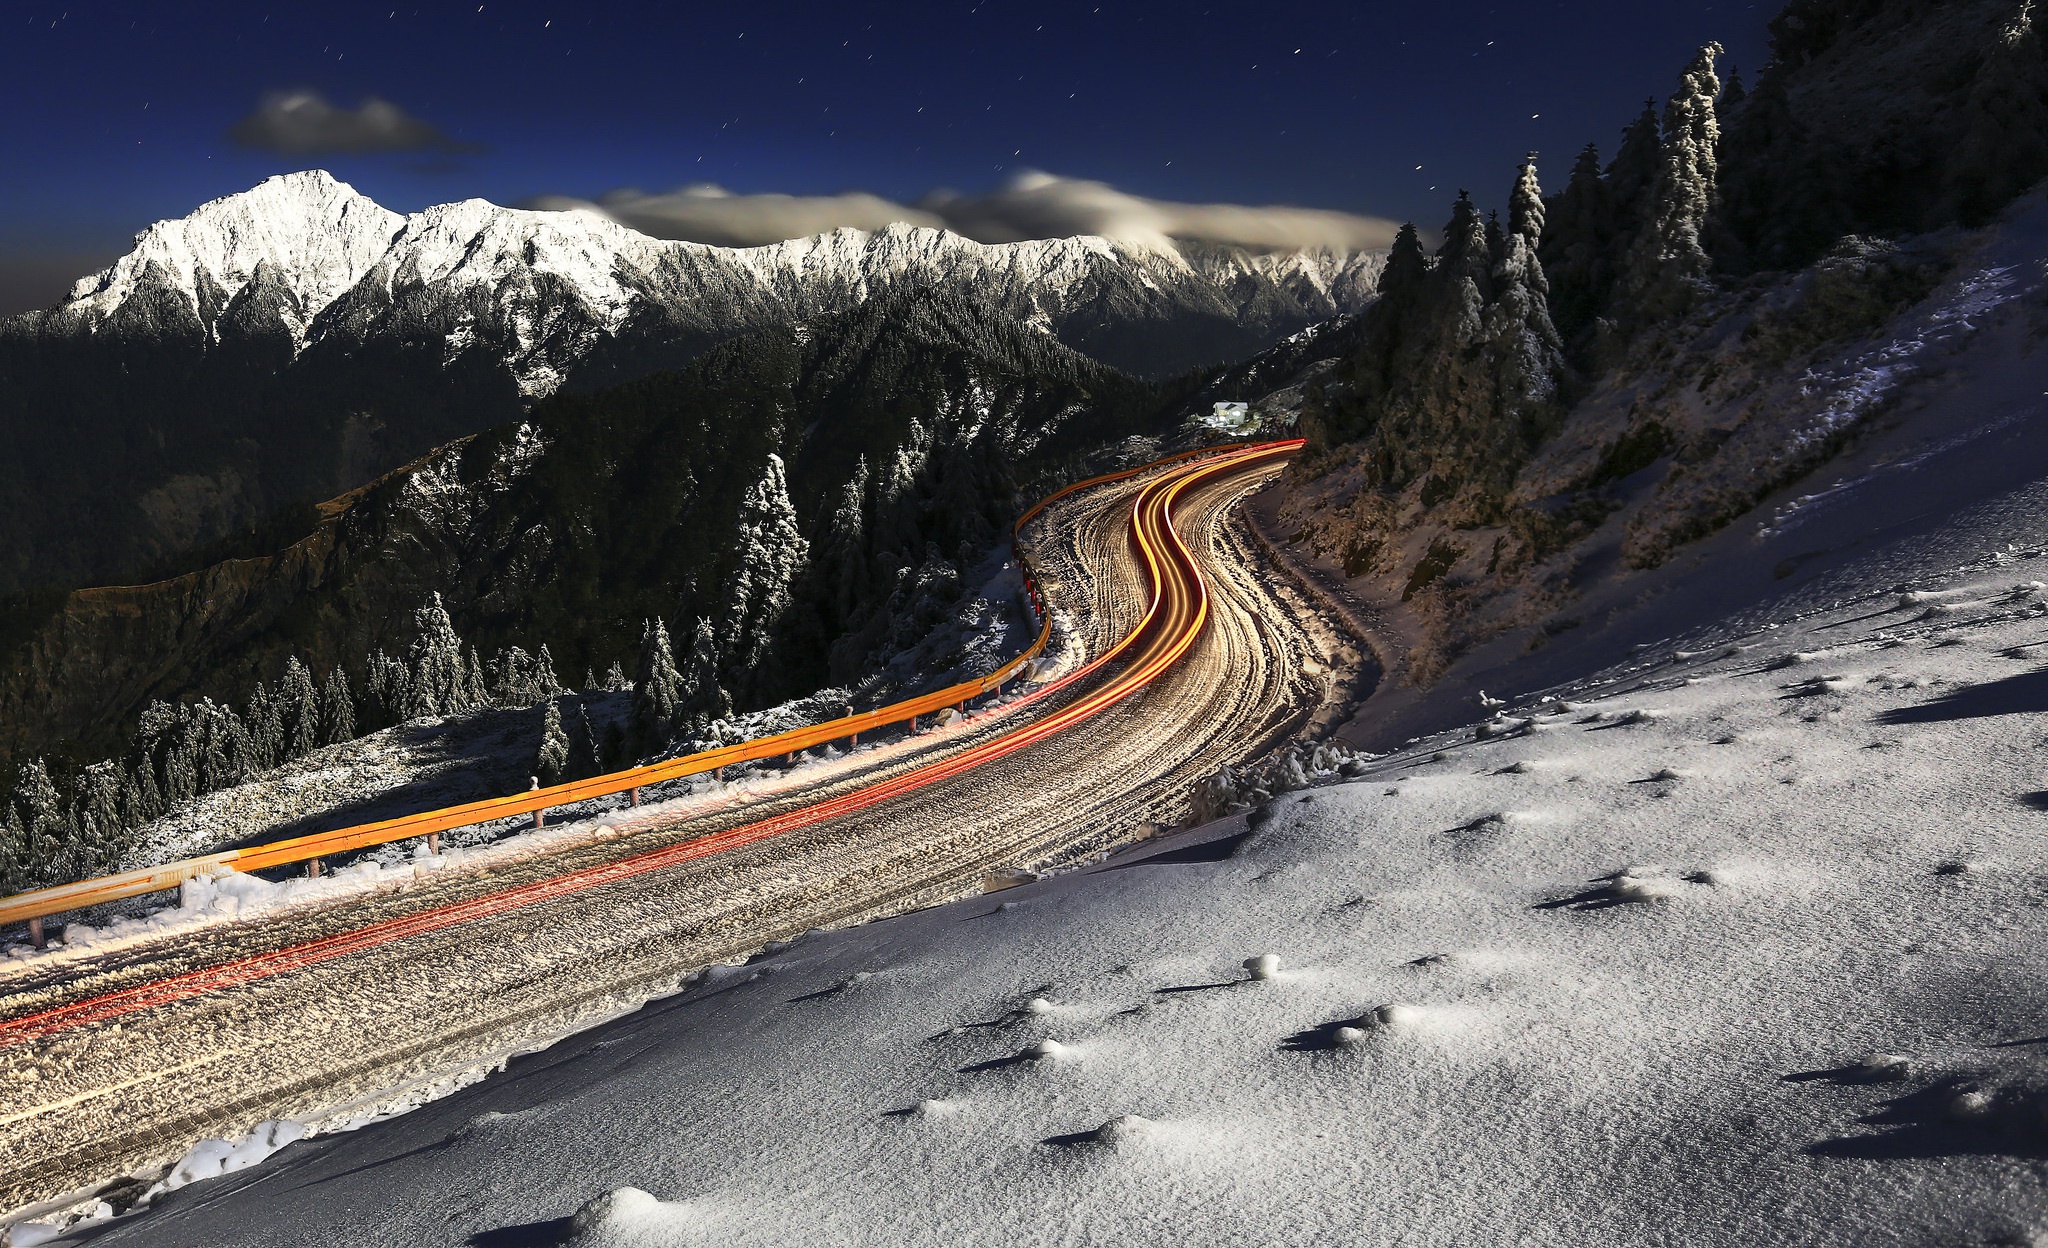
(149, 800)
(1668, 262)
(769, 552)
(586, 753)
(17, 874)
(101, 825)
(615, 679)
(1632, 178)
(439, 681)
(1734, 94)
(551, 761)
(180, 776)
(2004, 149)
(544, 679)
(1524, 350)
(508, 677)
(265, 724)
(1391, 323)
(705, 700)
(1575, 246)
(299, 708)
(657, 691)
(475, 692)
(844, 555)
(337, 709)
(219, 747)
(38, 808)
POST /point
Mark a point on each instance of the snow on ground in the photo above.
(1737, 946)
(429, 764)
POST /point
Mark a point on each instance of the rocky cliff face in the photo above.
(288, 343)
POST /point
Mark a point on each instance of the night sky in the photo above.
(129, 114)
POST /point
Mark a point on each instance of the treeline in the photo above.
(58, 826)
(1469, 358)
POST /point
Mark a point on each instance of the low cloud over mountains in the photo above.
(1030, 205)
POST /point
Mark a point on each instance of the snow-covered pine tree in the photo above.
(337, 709)
(38, 808)
(264, 725)
(181, 765)
(220, 746)
(769, 552)
(103, 829)
(1523, 348)
(544, 679)
(1667, 263)
(299, 707)
(438, 680)
(705, 700)
(16, 873)
(474, 691)
(615, 679)
(551, 761)
(508, 674)
(149, 799)
(99, 792)
(657, 690)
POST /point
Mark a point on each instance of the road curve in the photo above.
(1192, 659)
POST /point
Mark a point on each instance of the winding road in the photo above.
(1182, 655)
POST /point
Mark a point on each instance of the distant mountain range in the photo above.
(292, 342)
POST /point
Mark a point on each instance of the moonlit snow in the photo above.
(1760, 967)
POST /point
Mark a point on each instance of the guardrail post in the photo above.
(635, 797)
(540, 818)
(434, 844)
(313, 869)
(35, 932)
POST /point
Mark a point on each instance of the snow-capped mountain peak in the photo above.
(319, 235)
(556, 286)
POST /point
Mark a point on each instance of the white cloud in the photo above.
(710, 214)
(1032, 205)
(303, 123)
(1041, 205)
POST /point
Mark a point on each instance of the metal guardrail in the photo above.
(34, 906)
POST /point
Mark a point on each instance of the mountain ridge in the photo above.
(291, 342)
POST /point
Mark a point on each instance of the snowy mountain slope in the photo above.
(319, 237)
(295, 341)
(1931, 410)
(323, 238)
(1680, 956)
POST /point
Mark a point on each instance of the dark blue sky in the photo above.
(123, 113)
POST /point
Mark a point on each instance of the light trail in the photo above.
(1179, 607)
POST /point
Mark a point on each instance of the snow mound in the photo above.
(627, 1217)
(211, 1158)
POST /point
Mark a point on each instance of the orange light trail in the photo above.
(1179, 608)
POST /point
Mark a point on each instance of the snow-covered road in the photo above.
(328, 1044)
